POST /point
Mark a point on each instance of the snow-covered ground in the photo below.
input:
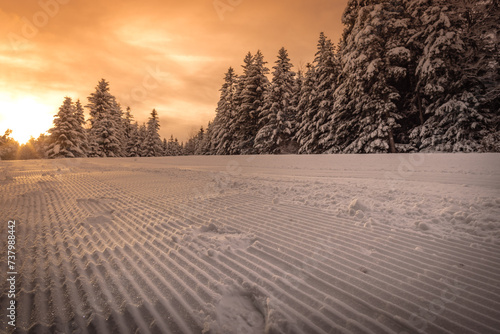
(254, 244)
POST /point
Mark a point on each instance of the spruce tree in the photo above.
(254, 84)
(80, 131)
(306, 109)
(277, 117)
(325, 82)
(128, 129)
(453, 80)
(153, 143)
(134, 144)
(198, 141)
(172, 147)
(235, 125)
(142, 135)
(106, 127)
(295, 100)
(164, 148)
(367, 107)
(65, 138)
(207, 140)
(176, 148)
(222, 134)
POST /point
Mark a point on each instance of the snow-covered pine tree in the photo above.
(134, 144)
(305, 111)
(297, 89)
(450, 93)
(164, 147)
(153, 143)
(172, 147)
(207, 140)
(79, 126)
(234, 125)
(277, 117)
(141, 140)
(374, 63)
(190, 146)
(106, 127)
(327, 72)
(93, 146)
(198, 141)
(117, 115)
(177, 149)
(65, 139)
(484, 65)
(128, 128)
(254, 84)
(226, 111)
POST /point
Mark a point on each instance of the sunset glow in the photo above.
(26, 117)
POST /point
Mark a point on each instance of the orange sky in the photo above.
(168, 55)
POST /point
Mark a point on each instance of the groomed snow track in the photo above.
(254, 245)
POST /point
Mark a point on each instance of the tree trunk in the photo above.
(392, 145)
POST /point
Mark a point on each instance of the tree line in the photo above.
(109, 132)
(407, 76)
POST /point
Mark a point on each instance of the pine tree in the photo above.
(374, 58)
(222, 134)
(235, 125)
(190, 146)
(277, 117)
(448, 75)
(325, 82)
(306, 109)
(198, 141)
(128, 129)
(173, 148)
(153, 143)
(142, 135)
(295, 100)
(207, 140)
(483, 65)
(253, 86)
(165, 148)
(117, 115)
(106, 127)
(134, 144)
(80, 131)
(65, 136)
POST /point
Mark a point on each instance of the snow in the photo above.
(254, 244)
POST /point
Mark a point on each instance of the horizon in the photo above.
(171, 57)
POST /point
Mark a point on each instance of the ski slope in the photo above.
(254, 244)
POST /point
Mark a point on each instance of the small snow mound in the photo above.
(359, 214)
(422, 226)
(357, 205)
(210, 227)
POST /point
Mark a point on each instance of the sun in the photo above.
(27, 117)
